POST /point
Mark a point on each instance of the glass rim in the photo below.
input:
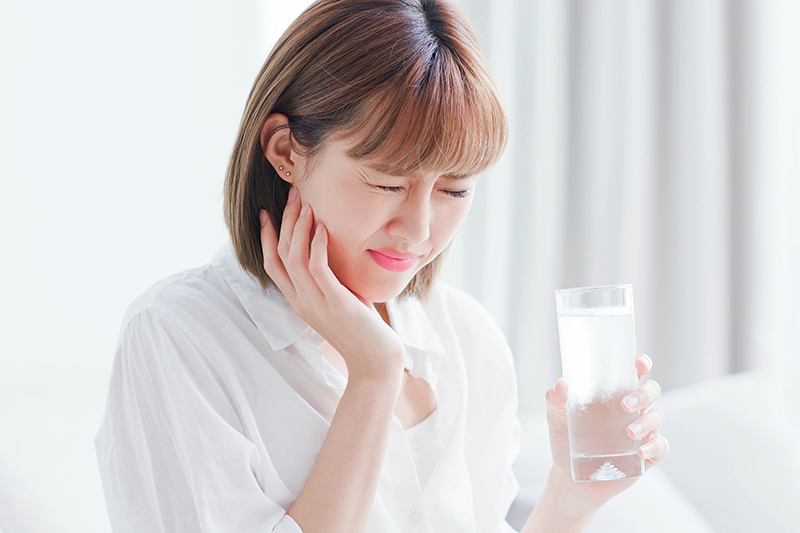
(596, 288)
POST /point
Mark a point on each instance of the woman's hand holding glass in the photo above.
(653, 449)
(297, 262)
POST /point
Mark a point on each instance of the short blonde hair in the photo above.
(406, 78)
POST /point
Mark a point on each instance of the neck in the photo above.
(381, 308)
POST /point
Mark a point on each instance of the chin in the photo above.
(379, 292)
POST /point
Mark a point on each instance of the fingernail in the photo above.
(304, 209)
(630, 402)
(647, 451)
(262, 216)
(636, 429)
(292, 195)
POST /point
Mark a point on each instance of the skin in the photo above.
(339, 210)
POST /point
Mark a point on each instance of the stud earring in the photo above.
(280, 167)
(288, 173)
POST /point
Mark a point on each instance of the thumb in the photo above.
(556, 398)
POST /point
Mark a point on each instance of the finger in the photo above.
(648, 422)
(654, 450)
(318, 263)
(642, 397)
(297, 260)
(273, 265)
(556, 398)
(643, 365)
(290, 214)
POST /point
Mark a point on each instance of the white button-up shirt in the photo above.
(220, 399)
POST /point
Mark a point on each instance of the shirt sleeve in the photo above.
(173, 448)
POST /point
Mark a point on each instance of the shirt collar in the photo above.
(269, 310)
(280, 325)
(412, 325)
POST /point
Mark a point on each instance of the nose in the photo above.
(412, 220)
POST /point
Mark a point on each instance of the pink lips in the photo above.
(393, 260)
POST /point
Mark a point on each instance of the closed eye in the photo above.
(388, 189)
(458, 194)
(454, 194)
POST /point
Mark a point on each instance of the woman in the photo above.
(314, 376)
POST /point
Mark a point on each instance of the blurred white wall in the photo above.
(653, 142)
(116, 123)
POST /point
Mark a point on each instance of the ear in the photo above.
(277, 146)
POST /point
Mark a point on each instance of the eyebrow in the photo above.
(389, 171)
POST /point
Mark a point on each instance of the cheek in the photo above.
(449, 219)
(352, 224)
(350, 218)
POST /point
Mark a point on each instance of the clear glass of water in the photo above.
(598, 351)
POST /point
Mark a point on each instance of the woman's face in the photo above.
(382, 229)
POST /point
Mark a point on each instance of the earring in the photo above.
(280, 167)
(288, 173)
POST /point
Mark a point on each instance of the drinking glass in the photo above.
(598, 351)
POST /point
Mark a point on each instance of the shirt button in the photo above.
(415, 517)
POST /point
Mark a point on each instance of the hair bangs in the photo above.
(438, 118)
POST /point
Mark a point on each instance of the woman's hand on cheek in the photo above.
(654, 446)
(297, 261)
